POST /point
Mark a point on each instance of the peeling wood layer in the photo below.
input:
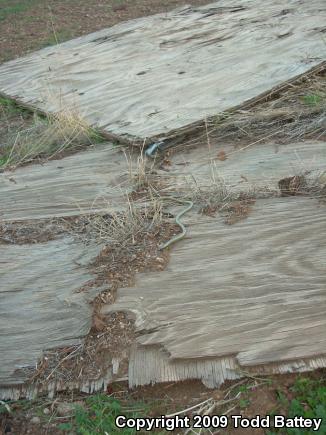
(150, 365)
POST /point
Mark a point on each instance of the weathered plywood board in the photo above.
(87, 182)
(40, 307)
(260, 165)
(98, 179)
(254, 290)
(150, 76)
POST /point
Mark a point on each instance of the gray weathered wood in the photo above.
(153, 75)
(149, 364)
(254, 290)
(90, 181)
(40, 307)
(260, 165)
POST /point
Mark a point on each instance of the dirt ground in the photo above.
(27, 25)
(248, 397)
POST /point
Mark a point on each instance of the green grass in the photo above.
(309, 401)
(57, 38)
(3, 160)
(8, 8)
(98, 413)
(9, 107)
(313, 99)
(98, 416)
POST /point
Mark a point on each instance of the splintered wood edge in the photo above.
(150, 365)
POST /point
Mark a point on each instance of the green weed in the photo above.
(244, 403)
(10, 107)
(99, 416)
(313, 99)
(12, 8)
(281, 398)
(57, 38)
(309, 402)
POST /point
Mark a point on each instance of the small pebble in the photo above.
(46, 411)
(36, 420)
(66, 408)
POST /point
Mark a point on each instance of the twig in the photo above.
(188, 409)
(61, 361)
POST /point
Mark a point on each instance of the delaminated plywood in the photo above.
(153, 75)
(97, 180)
(40, 306)
(254, 290)
(150, 364)
(91, 181)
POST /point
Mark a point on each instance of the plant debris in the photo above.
(295, 113)
(109, 340)
(291, 186)
(236, 211)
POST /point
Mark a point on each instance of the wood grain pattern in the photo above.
(93, 180)
(39, 306)
(260, 165)
(254, 290)
(153, 75)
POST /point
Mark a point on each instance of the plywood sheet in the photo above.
(152, 75)
(98, 179)
(93, 180)
(260, 165)
(254, 290)
(40, 307)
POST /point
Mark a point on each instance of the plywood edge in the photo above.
(30, 392)
(111, 137)
(150, 365)
(175, 137)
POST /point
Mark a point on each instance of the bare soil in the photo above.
(27, 25)
(111, 336)
(259, 398)
(30, 232)
(43, 230)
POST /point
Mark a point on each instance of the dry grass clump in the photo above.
(232, 204)
(139, 171)
(124, 228)
(46, 138)
(143, 178)
(314, 184)
(294, 113)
